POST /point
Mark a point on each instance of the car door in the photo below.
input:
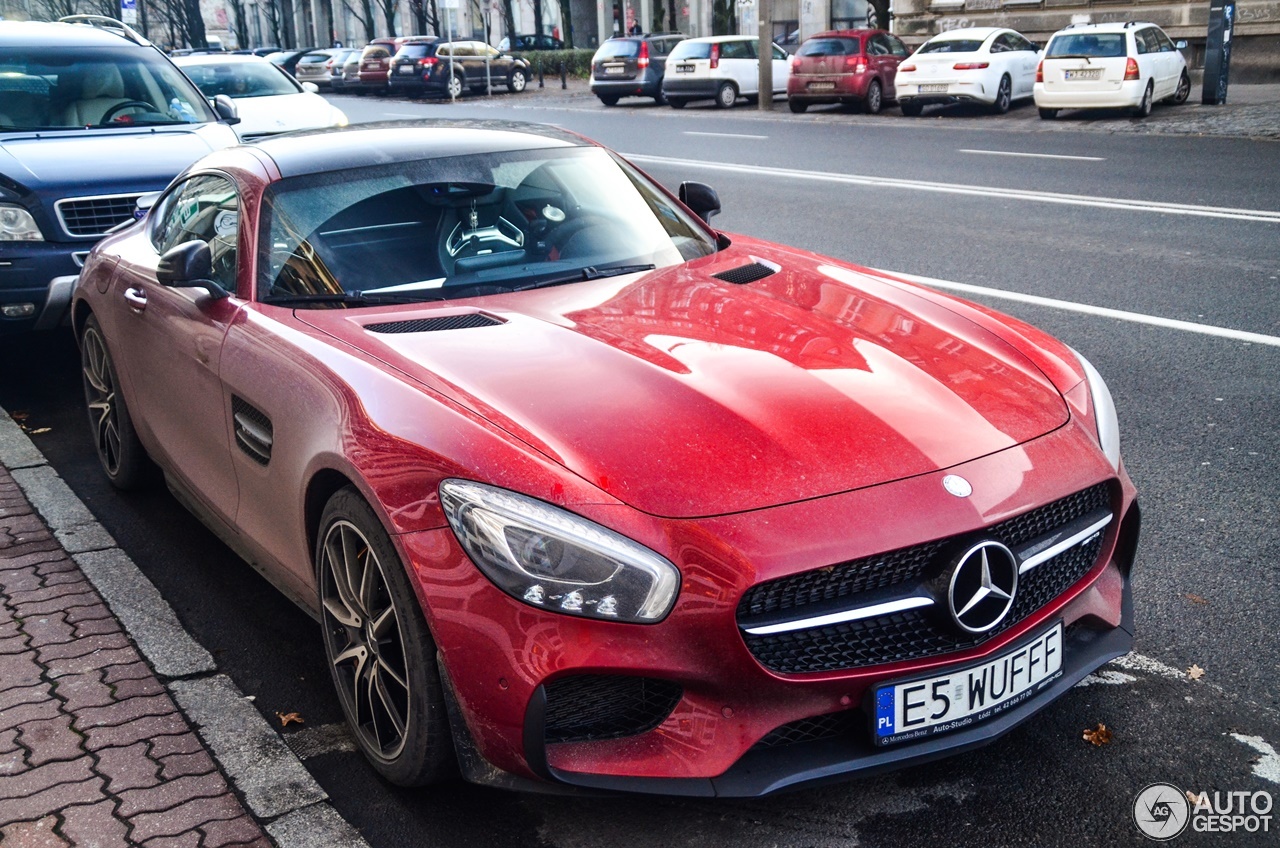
(880, 61)
(1027, 58)
(781, 69)
(899, 52)
(738, 63)
(1172, 58)
(170, 340)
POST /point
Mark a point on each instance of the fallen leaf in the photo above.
(1195, 599)
(19, 415)
(287, 719)
(1195, 672)
(37, 431)
(1099, 736)
(1195, 799)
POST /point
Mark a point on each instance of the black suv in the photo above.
(632, 66)
(427, 65)
(92, 116)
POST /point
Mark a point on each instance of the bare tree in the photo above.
(363, 10)
(54, 9)
(724, 19)
(389, 9)
(426, 16)
(878, 14)
(239, 22)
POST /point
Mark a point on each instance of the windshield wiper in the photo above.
(1087, 60)
(589, 273)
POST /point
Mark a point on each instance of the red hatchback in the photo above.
(375, 62)
(850, 66)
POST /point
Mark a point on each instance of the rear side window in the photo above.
(1100, 44)
(620, 49)
(829, 47)
(952, 45)
(692, 50)
(738, 50)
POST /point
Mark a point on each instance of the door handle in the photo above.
(137, 298)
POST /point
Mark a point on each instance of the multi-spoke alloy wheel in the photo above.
(380, 654)
(121, 454)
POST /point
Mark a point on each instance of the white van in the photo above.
(720, 68)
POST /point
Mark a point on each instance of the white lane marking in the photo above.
(1032, 155)
(1097, 311)
(1268, 765)
(978, 191)
(727, 135)
(1138, 662)
(1107, 678)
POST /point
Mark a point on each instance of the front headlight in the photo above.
(553, 559)
(16, 224)
(1104, 412)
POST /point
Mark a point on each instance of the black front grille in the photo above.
(594, 707)
(431, 325)
(93, 216)
(813, 729)
(744, 274)
(919, 633)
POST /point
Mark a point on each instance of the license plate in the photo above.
(615, 69)
(962, 698)
(406, 69)
(684, 69)
(933, 89)
(822, 86)
(1091, 74)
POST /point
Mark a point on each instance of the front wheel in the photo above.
(1048, 114)
(726, 95)
(873, 100)
(381, 656)
(911, 109)
(1184, 89)
(1004, 97)
(115, 441)
(1143, 109)
(517, 81)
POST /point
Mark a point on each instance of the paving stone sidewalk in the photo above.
(93, 750)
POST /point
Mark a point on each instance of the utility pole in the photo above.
(764, 13)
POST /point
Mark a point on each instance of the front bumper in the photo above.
(41, 274)
(715, 735)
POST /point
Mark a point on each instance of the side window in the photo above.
(205, 208)
(876, 46)
(736, 50)
(779, 53)
(1166, 46)
(899, 49)
(1146, 41)
(444, 51)
(1001, 44)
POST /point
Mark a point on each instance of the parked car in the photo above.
(525, 43)
(349, 81)
(315, 67)
(854, 66)
(92, 116)
(720, 68)
(375, 62)
(1110, 66)
(586, 492)
(287, 60)
(267, 99)
(987, 65)
(632, 66)
(427, 65)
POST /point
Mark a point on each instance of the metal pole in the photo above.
(764, 8)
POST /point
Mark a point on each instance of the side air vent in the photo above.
(432, 325)
(253, 430)
(746, 273)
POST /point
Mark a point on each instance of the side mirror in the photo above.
(1181, 44)
(189, 265)
(144, 204)
(226, 109)
(311, 88)
(701, 198)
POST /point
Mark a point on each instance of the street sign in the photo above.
(129, 11)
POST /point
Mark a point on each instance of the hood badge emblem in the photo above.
(957, 485)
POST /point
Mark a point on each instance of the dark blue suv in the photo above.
(92, 116)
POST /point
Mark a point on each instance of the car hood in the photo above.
(108, 160)
(684, 395)
(283, 113)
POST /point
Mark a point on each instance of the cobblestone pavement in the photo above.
(93, 750)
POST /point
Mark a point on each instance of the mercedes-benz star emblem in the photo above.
(957, 485)
(983, 585)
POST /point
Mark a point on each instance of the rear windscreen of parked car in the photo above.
(952, 45)
(617, 49)
(829, 47)
(415, 51)
(1106, 44)
(375, 51)
(691, 50)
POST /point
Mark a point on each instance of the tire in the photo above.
(659, 99)
(609, 99)
(726, 95)
(385, 674)
(453, 88)
(874, 99)
(797, 106)
(1004, 97)
(121, 454)
(1048, 114)
(1184, 90)
(517, 82)
(676, 102)
(1143, 109)
(911, 109)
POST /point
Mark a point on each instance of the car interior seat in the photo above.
(101, 88)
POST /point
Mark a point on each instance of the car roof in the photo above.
(1111, 26)
(969, 33)
(219, 59)
(723, 38)
(389, 143)
(42, 34)
(844, 33)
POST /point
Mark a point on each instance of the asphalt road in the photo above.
(1199, 417)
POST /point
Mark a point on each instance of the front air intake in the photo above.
(432, 325)
(597, 706)
(744, 274)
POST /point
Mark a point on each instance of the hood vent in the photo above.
(431, 325)
(744, 274)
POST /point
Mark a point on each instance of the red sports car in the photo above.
(583, 491)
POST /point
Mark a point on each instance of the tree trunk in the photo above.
(566, 23)
(286, 25)
(537, 17)
(195, 24)
(878, 14)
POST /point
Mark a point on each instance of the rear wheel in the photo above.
(381, 655)
(660, 99)
(453, 88)
(726, 95)
(115, 441)
(1048, 114)
(911, 109)
(1184, 89)
(1143, 109)
(872, 102)
(1004, 97)
(676, 102)
(608, 99)
(796, 106)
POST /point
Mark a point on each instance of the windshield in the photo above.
(1104, 45)
(952, 45)
(241, 79)
(466, 225)
(46, 88)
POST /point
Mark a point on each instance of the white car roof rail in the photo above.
(103, 22)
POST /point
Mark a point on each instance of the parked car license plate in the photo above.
(614, 69)
(1090, 74)
(684, 69)
(822, 86)
(923, 707)
(406, 69)
(933, 89)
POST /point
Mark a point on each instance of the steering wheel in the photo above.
(128, 104)
(571, 237)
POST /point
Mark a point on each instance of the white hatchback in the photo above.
(720, 68)
(987, 65)
(1110, 66)
(268, 100)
